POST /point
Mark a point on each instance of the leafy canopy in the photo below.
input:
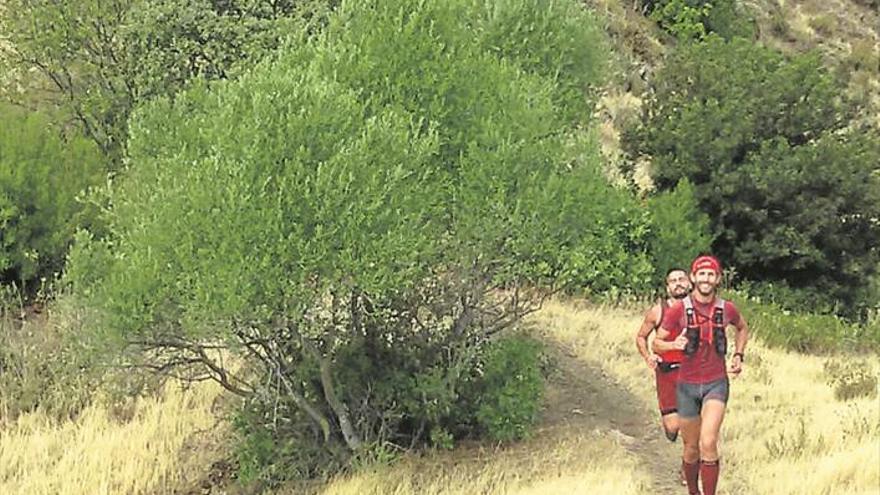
(42, 175)
(359, 216)
(791, 193)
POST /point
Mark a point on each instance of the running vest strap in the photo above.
(716, 337)
(663, 307)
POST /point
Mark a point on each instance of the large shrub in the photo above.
(41, 176)
(792, 195)
(507, 391)
(357, 218)
(680, 230)
(99, 60)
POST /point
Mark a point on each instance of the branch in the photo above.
(277, 365)
(352, 439)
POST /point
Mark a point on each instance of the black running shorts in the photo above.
(691, 396)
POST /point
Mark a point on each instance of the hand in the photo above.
(652, 361)
(736, 366)
(680, 342)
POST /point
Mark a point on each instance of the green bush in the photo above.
(42, 175)
(850, 379)
(683, 19)
(694, 19)
(680, 230)
(791, 197)
(356, 218)
(126, 53)
(798, 300)
(273, 442)
(805, 332)
(509, 389)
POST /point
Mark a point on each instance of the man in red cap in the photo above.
(700, 321)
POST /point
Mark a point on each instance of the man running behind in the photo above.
(665, 365)
(703, 386)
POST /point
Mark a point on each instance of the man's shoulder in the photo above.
(654, 310)
(678, 305)
(674, 311)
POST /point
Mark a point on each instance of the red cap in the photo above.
(706, 261)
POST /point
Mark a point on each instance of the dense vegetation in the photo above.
(99, 60)
(791, 191)
(358, 218)
(342, 211)
(694, 19)
(42, 175)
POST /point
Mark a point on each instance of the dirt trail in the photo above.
(582, 397)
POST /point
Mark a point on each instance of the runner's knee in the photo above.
(708, 447)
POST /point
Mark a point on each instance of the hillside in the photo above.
(845, 32)
(300, 267)
(785, 433)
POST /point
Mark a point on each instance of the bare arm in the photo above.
(740, 341)
(660, 343)
(648, 323)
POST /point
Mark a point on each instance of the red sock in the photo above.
(709, 472)
(691, 474)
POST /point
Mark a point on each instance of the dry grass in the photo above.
(578, 463)
(97, 454)
(785, 433)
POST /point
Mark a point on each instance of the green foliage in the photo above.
(41, 176)
(509, 390)
(102, 59)
(270, 445)
(694, 19)
(681, 19)
(850, 379)
(680, 229)
(560, 41)
(801, 300)
(805, 332)
(357, 218)
(729, 19)
(791, 199)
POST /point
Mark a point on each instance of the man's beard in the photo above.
(680, 295)
(710, 291)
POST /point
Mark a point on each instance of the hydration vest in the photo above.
(717, 338)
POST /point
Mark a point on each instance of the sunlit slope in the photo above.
(99, 453)
(785, 433)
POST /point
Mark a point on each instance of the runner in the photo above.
(701, 320)
(665, 365)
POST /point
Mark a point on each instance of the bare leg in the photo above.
(690, 438)
(712, 416)
(670, 426)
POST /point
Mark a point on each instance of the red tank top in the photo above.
(675, 355)
(705, 365)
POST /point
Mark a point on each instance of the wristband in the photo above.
(742, 357)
